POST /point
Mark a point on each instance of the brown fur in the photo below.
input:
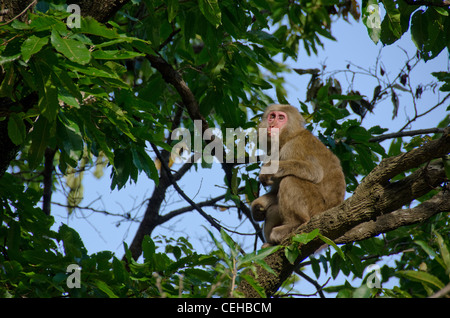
(309, 179)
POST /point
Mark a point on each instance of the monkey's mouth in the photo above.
(272, 131)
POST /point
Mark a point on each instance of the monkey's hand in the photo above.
(258, 211)
(266, 179)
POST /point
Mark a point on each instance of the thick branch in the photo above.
(151, 216)
(374, 197)
(171, 76)
(402, 217)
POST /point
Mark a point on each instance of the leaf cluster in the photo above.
(427, 25)
(34, 260)
(76, 94)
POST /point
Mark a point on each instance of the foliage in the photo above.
(34, 260)
(92, 94)
(422, 268)
(427, 25)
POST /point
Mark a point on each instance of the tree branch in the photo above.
(173, 77)
(402, 217)
(48, 180)
(210, 219)
(442, 293)
(407, 134)
(174, 213)
(101, 11)
(374, 197)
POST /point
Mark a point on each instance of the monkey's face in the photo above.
(276, 119)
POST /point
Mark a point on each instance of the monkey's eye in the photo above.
(281, 117)
(272, 116)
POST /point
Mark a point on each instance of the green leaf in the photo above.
(32, 45)
(391, 29)
(441, 11)
(211, 10)
(144, 163)
(16, 129)
(429, 251)
(359, 134)
(11, 52)
(119, 271)
(443, 77)
(422, 277)
(446, 161)
(230, 242)
(115, 55)
(39, 139)
(445, 252)
(105, 288)
(305, 238)
(148, 247)
(315, 266)
(249, 258)
(43, 23)
(256, 286)
(172, 9)
(73, 245)
(91, 71)
(69, 139)
(330, 242)
(48, 102)
(419, 29)
(91, 26)
(72, 49)
(365, 157)
(291, 252)
(371, 19)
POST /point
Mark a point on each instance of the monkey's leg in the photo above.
(298, 200)
(261, 205)
(273, 219)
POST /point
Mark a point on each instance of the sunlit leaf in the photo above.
(74, 50)
(211, 10)
(32, 45)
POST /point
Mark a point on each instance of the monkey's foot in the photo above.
(280, 232)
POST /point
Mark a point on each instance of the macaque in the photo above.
(309, 179)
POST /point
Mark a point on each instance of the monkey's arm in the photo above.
(308, 169)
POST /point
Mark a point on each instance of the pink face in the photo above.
(276, 119)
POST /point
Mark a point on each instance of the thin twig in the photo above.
(209, 218)
(21, 13)
(424, 113)
(407, 134)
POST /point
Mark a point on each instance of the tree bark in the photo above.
(372, 201)
(101, 11)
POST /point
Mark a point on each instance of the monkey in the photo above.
(309, 179)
